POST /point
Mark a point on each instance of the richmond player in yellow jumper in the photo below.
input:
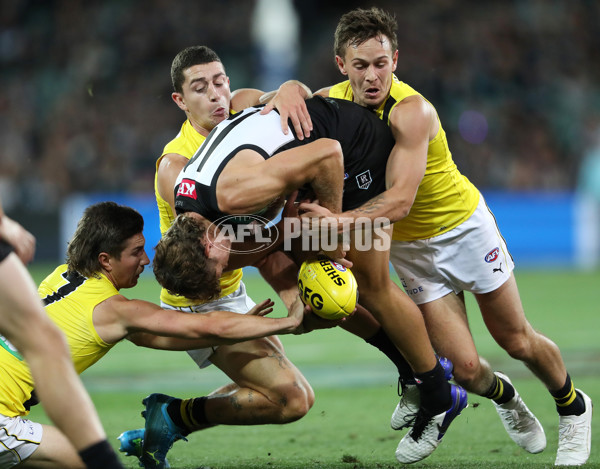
(82, 297)
(446, 242)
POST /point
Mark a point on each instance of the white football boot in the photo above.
(428, 430)
(575, 436)
(521, 425)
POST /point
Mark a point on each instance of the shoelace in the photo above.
(422, 420)
(519, 420)
(402, 384)
(567, 436)
(408, 419)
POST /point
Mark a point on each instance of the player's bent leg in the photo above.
(271, 388)
(55, 451)
(504, 317)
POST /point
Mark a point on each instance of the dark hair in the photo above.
(104, 227)
(180, 263)
(195, 55)
(358, 26)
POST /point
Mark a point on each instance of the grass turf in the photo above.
(355, 388)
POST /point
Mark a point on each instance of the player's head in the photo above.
(366, 49)
(200, 86)
(109, 239)
(187, 262)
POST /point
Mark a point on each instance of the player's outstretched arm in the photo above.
(148, 325)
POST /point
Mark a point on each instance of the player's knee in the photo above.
(467, 374)
(296, 403)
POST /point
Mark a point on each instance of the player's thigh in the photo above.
(55, 451)
(259, 364)
(448, 329)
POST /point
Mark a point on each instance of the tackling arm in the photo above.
(152, 326)
(412, 123)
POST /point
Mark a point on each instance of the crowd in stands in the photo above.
(85, 102)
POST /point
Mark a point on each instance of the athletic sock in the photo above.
(434, 390)
(501, 391)
(381, 341)
(100, 456)
(568, 402)
(189, 414)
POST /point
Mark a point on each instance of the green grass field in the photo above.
(355, 388)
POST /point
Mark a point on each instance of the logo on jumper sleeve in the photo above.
(492, 255)
(187, 188)
(364, 179)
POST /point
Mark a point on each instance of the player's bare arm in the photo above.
(249, 183)
(168, 168)
(22, 241)
(413, 124)
(288, 99)
(324, 92)
(245, 97)
(118, 317)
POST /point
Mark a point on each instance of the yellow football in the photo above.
(328, 287)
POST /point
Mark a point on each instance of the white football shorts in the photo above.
(19, 438)
(236, 302)
(472, 257)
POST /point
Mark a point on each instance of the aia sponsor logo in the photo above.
(187, 188)
(492, 255)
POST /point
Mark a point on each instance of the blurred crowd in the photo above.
(85, 104)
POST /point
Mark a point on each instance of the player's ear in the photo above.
(340, 63)
(178, 98)
(104, 259)
(207, 245)
(394, 60)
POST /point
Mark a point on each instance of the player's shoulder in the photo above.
(413, 108)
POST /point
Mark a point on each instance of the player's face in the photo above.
(369, 67)
(126, 270)
(219, 249)
(206, 95)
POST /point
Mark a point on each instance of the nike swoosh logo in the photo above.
(443, 427)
